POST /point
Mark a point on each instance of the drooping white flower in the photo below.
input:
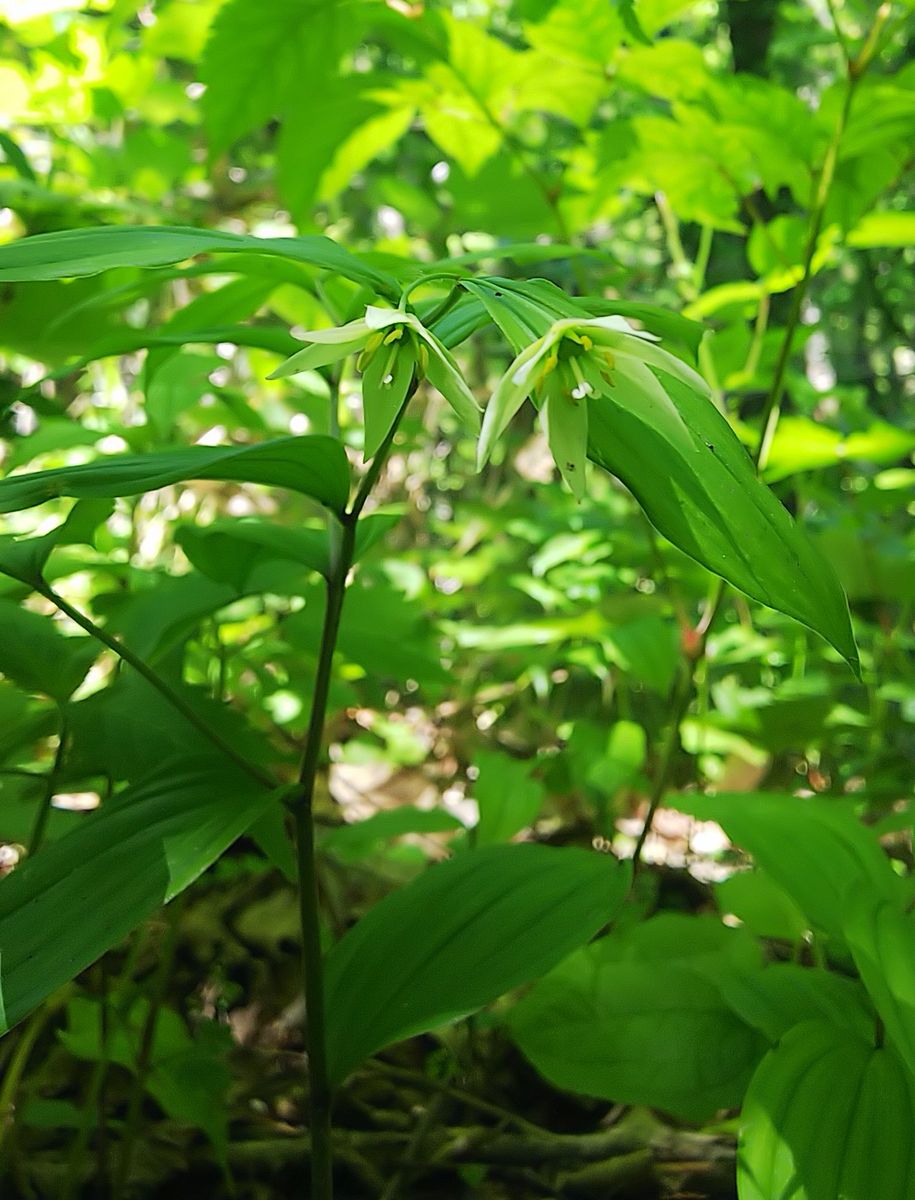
(393, 347)
(577, 359)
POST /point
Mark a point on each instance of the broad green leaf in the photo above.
(812, 848)
(776, 999)
(763, 906)
(358, 840)
(315, 466)
(39, 658)
(458, 937)
(75, 252)
(125, 861)
(804, 445)
(697, 485)
(828, 1116)
(231, 551)
(25, 558)
(881, 938)
(507, 797)
(884, 229)
(643, 1021)
(258, 59)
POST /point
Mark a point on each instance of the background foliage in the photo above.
(513, 663)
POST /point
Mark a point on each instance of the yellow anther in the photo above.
(552, 361)
(394, 335)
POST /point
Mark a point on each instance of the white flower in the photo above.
(578, 358)
(393, 346)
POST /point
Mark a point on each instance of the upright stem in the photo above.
(51, 781)
(856, 68)
(343, 545)
(309, 901)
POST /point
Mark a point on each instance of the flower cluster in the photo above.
(393, 347)
(576, 361)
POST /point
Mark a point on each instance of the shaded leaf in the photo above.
(458, 937)
(135, 854)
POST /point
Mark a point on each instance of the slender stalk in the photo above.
(154, 680)
(856, 69)
(301, 803)
(51, 780)
(681, 699)
(145, 1051)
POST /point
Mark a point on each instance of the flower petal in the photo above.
(565, 423)
(656, 356)
(384, 318)
(382, 401)
(511, 391)
(320, 354)
(615, 324)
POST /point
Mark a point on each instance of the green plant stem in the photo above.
(683, 694)
(51, 780)
(154, 680)
(301, 803)
(15, 1068)
(144, 1053)
(856, 69)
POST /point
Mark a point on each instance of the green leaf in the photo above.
(781, 996)
(641, 1020)
(812, 848)
(697, 485)
(458, 937)
(232, 550)
(315, 466)
(257, 59)
(37, 657)
(73, 252)
(125, 861)
(507, 797)
(884, 229)
(881, 938)
(827, 1116)
(25, 558)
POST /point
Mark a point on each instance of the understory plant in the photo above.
(823, 1063)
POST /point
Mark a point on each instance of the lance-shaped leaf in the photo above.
(73, 252)
(79, 896)
(699, 488)
(459, 936)
(315, 466)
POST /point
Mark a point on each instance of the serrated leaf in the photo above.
(458, 937)
(315, 466)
